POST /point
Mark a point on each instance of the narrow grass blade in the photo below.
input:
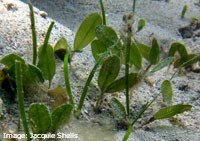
(134, 5)
(129, 131)
(20, 98)
(67, 82)
(46, 57)
(34, 37)
(46, 40)
(103, 12)
(163, 64)
(89, 79)
(85, 89)
(127, 55)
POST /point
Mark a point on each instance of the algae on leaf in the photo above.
(98, 48)
(39, 118)
(167, 92)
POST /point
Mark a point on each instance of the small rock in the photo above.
(2, 44)
(2, 8)
(183, 87)
(86, 111)
(191, 30)
(43, 14)
(10, 5)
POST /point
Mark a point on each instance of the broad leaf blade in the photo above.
(98, 48)
(154, 52)
(119, 84)
(135, 56)
(39, 118)
(181, 49)
(60, 115)
(9, 60)
(106, 34)
(108, 37)
(118, 109)
(184, 11)
(178, 47)
(108, 72)
(61, 48)
(141, 25)
(47, 62)
(167, 92)
(163, 64)
(85, 33)
(191, 59)
(32, 74)
(169, 112)
(144, 50)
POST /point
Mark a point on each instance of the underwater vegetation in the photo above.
(113, 53)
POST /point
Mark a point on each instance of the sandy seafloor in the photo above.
(162, 21)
